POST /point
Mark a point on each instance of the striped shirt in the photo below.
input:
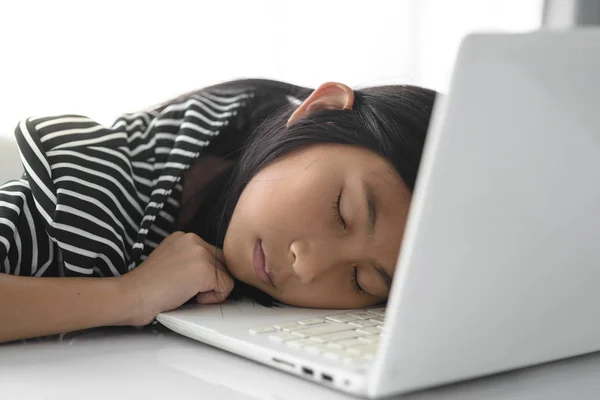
(96, 200)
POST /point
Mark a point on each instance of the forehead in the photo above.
(349, 163)
(357, 160)
(336, 153)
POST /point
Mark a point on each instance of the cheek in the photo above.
(264, 203)
(286, 204)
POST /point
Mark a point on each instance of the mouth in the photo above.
(261, 265)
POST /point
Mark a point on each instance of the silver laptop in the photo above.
(500, 265)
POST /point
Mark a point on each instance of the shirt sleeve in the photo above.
(25, 247)
(85, 191)
(97, 200)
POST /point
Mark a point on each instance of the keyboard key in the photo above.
(295, 328)
(367, 349)
(348, 343)
(351, 337)
(299, 343)
(323, 329)
(362, 315)
(370, 339)
(370, 330)
(264, 329)
(335, 354)
(282, 337)
(316, 348)
(336, 336)
(334, 345)
(362, 323)
(313, 321)
(341, 318)
(286, 325)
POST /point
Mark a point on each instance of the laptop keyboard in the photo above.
(351, 337)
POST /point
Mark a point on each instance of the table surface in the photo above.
(155, 363)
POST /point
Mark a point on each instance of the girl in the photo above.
(285, 193)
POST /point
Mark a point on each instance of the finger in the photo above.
(219, 255)
(215, 251)
(224, 281)
(221, 288)
(218, 264)
(211, 297)
(172, 237)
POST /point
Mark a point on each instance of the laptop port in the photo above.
(327, 378)
(307, 371)
(284, 363)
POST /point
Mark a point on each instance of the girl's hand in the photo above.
(181, 267)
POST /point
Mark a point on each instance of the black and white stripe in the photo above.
(96, 200)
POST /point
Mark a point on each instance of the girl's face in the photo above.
(320, 228)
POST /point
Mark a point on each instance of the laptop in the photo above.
(500, 264)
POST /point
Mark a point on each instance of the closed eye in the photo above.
(338, 212)
(355, 285)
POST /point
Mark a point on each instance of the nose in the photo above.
(316, 258)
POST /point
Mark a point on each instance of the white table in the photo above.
(154, 363)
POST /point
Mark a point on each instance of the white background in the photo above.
(104, 58)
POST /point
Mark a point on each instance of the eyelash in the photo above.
(338, 214)
(337, 211)
(355, 284)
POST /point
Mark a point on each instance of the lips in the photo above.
(261, 265)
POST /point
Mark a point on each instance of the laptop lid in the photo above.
(500, 266)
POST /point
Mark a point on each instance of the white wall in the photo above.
(104, 58)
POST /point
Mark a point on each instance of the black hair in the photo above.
(390, 121)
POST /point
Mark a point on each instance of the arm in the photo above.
(181, 267)
(32, 306)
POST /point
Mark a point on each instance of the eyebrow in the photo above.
(372, 207)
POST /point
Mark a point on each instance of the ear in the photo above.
(328, 96)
